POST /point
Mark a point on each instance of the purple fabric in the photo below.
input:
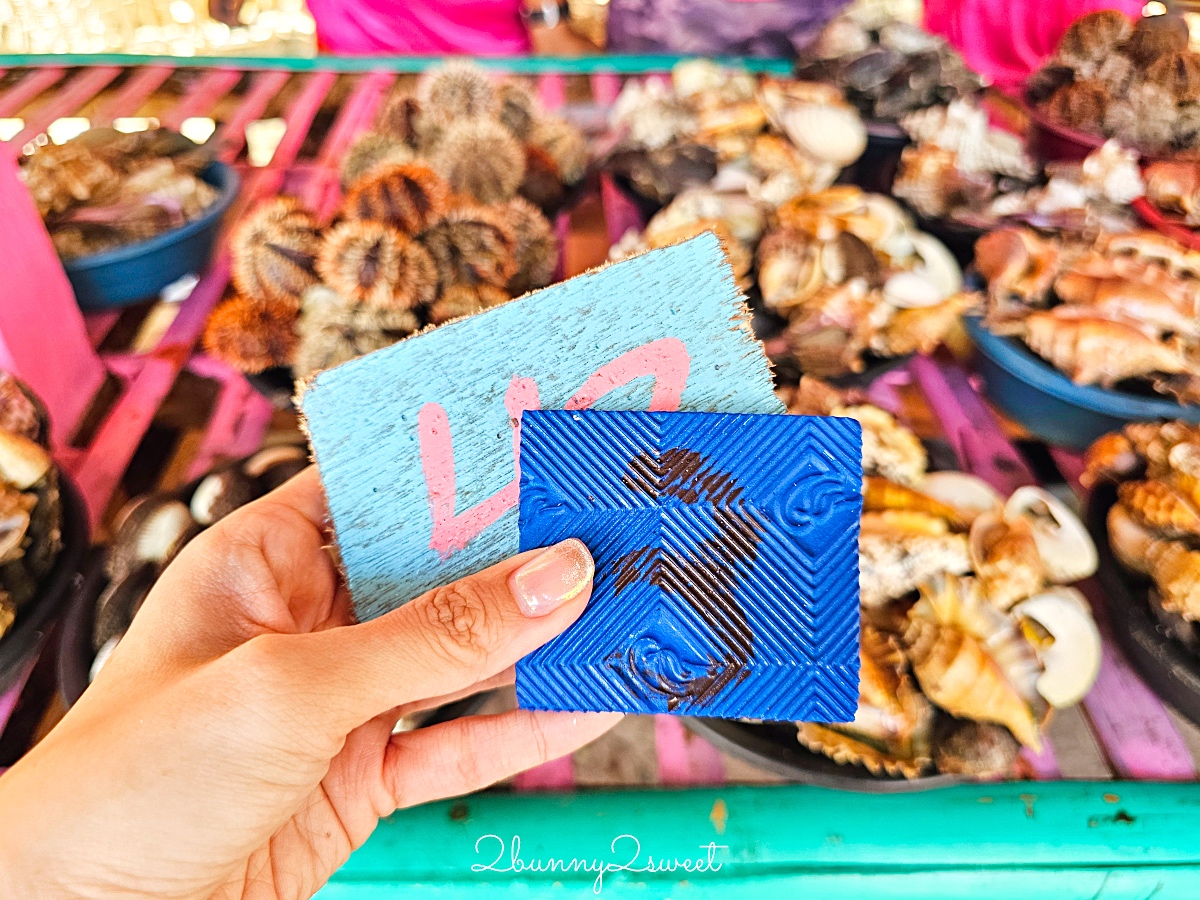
(706, 27)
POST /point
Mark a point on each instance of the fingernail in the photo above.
(553, 577)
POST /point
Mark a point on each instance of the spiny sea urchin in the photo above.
(456, 90)
(472, 245)
(409, 198)
(518, 108)
(536, 249)
(480, 157)
(542, 185)
(252, 335)
(460, 300)
(565, 144)
(377, 265)
(370, 151)
(273, 250)
(333, 330)
(399, 119)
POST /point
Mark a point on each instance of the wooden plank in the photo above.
(552, 91)
(222, 431)
(98, 325)
(132, 94)
(620, 212)
(606, 87)
(684, 759)
(28, 89)
(201, 97)
(1065, 839)
(323, 192)
(66, 102)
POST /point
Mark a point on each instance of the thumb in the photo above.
(444, 641)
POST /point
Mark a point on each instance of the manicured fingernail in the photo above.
(553, 577)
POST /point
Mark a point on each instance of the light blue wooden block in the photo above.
(416, 443)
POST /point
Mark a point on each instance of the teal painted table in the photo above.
(1062, 840)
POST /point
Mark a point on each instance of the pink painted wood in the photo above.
(25, 91)
(355, 117)
(122, 431)
(552, 90)
(201, 97)
(42, 337)
(1140, 746)
(98, 326)
(982, 449)
(620, 213)
(225, 430)
(683, 759)
(8, 700)
(606, 87)
(230, 136)
(66, 102)
(556, 775)
(131, 95)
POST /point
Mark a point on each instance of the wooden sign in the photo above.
(417, 443)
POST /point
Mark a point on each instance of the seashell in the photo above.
(889, 449)
(911, 290)
(789, 269)
(976, 749)
(273, 466)
(1110, 457)
(920, 330)
(1005, 558)
(924, 178)
(1159, 507)
(1066, 548)
(1071, 658)
(892, 727)
(24, 463)
(827, 133)
(899, 551)
(1091, 349)
(220, 493)
(970, 660)
(153, 530)
(969, 494)
(1174, 568)
(937, 263)
(880, 494)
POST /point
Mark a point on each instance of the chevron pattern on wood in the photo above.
(726, 551)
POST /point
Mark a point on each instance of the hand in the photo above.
(238, 743)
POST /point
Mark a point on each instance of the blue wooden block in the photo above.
(726, 550)
(417, 443)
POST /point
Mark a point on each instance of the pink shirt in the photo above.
(1007, 40)
(478, 27)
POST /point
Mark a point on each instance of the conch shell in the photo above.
(1173, 567)
(971, 661)
(1004, 555)
(900, 550)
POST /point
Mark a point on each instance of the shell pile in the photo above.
(1154, 527)
(104, 189)
(771, 138)
(441, 218)
(1137, 82)
(969, 638)
(852, 275)
(30, 506)
(889, 70)
(1117, 308)
(961, 168)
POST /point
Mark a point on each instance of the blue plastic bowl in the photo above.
(1042, 399)
(134, 272)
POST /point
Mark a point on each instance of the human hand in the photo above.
(238, 743)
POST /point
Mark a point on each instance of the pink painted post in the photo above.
(606, 87)
(68, 101)
(230, 138)
(202, 96)
(225, 431)
(620, 213)
(28, 89)
(683, 759)
(42, 335)
(133, 93)
(552, 90)
(556, 775)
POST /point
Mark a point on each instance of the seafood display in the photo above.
(853, 276)
(770, 138)
(969, 637)
(1134, 81)
(105, 189)
(439, 220)
(961, 168)
(31, 515)
(1154, 526)
(1120, 308)
(888, 69)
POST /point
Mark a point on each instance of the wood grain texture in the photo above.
(416, 442)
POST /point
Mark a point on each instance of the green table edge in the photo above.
(1029, 840)
(617, 64)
